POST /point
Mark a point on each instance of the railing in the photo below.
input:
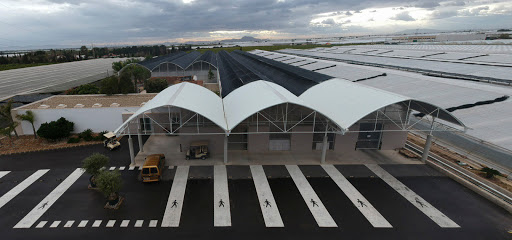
(437, 160)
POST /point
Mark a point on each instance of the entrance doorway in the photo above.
(369, 136)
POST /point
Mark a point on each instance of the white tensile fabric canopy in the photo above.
(342, 101)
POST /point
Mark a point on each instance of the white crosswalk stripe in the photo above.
(124, 223)
(153, 223)
(110, 223)
(121, 168)
(373, 216)
(429, 210)
(112, 168)
(83, 223)
(139, 223)
(320, 213)
(172, 212)
(69, 224)
(41, 224)
(131, 168)
(55, 224)
(221, 207)
(97, 223)
(49, 200)
(22, 186)
(3, 173)
(268, 205)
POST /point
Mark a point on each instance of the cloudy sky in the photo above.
(27, 23)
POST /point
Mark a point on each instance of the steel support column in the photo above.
(226, 149)
(426, 150)
(130, 146)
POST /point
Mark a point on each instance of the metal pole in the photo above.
(428, 142)
(139, 139)
(324, 144)
(226, 149)
(130, 146)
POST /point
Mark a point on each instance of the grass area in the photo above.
(4, 67)
(270, 48)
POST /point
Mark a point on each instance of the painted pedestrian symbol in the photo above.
(174, 204)
(314, 202)
(361, 202)
(221, 203)
(267, 203)
(44, 205)
(419, 202)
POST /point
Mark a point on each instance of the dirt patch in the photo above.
(29, 144)
(456, 158)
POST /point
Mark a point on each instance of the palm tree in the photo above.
(29, 117)
(5, 112)
(7, 131)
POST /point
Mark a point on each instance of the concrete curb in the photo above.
(49, 149)
(473, 187)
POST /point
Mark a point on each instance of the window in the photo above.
(145, 124)
(145, 171)
(154, 170)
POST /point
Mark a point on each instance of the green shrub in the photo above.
(109, 182)
(490, 173)
(94, 163)
(73, 140)
(100, 136)
(86, 135)
(83, 89)
(55, 130)
(155, 85)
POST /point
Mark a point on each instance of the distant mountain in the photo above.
(421, 30)
(243, 39)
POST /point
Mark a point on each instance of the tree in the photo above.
(55, 130)
(109, 183)
(210, 73)
(93, 165)
(155, 85)
(84, 51)
(126, 84)
(83, 89)
(109, 85)
(8, 130)
(5, 112)
(29, 117)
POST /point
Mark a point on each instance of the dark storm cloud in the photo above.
(115, 21)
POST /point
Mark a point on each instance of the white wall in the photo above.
(97, 119)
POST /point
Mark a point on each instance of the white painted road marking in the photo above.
(139, 223)
(320, 213)
(373, 216)
(266, 198)
(131, 168)
(3, 173)
(121, 168)
(41, 224)
(112, 168)
(172, 212)
(429, 210)
(83, 223)
(69, 224)
(97, 223)
(153, 223)
(221, 207)
(125, 223)
(110, 223)
(49, 200)
(22, 186)
(55, 224)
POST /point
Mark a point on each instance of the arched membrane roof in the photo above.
(187, 96)
(347, 102)
(341, 101)
(253, 97)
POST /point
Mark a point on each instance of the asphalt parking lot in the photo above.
(477, 217)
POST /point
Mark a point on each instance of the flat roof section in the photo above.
(90, 101)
